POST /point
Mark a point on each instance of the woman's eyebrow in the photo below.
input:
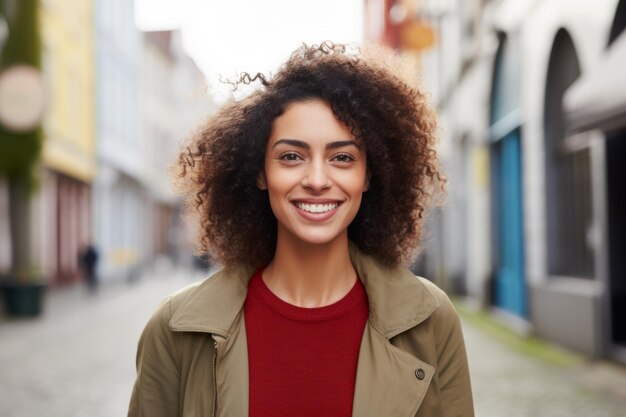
(292, 142)
(304, 145)
(341, 144)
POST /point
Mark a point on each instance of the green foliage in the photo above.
(24, 42)
(20, 151)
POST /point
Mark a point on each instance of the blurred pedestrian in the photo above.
(311, 193)
(89, 262)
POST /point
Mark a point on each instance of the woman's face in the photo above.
(315, 173)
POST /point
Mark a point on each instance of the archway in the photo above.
(568, 180)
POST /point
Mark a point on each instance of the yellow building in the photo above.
(68, 155)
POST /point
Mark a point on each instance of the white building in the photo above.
(532, 225)
(174, 100)
(118, 194)
(149, 96)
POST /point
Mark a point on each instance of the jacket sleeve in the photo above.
(454, 379)
(157, 387)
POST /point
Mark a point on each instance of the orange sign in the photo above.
(415, 35)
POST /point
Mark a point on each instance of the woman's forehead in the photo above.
(311, 120)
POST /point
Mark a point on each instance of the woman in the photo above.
(311, 193)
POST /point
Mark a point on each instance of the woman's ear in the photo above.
(367, 181)
(261, 183)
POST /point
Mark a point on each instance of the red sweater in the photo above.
(302, 361)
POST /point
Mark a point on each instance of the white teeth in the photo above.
(317, 208)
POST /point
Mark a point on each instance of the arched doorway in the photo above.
(509, 289)
(568, 179)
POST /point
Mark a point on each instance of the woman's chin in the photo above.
(316, 237)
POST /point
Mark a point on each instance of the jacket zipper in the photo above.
(214, 413)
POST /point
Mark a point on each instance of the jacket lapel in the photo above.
(386, 379)
(216, 307)
(389, 380)
(397, 299)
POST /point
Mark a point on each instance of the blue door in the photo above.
(509, 286)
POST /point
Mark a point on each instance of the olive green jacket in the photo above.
(192, 358)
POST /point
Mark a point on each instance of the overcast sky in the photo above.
(230, 36)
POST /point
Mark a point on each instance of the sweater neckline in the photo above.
(345, 304)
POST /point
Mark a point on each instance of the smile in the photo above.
(316, 208)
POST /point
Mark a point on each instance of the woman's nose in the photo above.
(316, 176)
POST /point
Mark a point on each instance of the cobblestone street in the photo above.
(78, 360)
(508, 383)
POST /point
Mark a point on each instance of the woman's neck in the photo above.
(310, 275)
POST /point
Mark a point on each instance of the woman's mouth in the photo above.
(316, 212)
(316, 208)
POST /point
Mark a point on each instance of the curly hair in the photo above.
(392, 119)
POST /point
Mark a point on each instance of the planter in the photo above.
(23, 299)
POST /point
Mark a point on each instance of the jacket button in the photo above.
(420, 374)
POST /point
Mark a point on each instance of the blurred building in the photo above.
(150, 96)
(118, 194)
(119, 104)
(173, 101)
(595, 112)
(531, 225)
(62, 208)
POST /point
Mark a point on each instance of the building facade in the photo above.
(529, 228)
(62, 209)
(169, 115)
(119, 105)
(118, 193)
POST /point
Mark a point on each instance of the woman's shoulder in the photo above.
(162, 314)
(207, 284)
(439, 294)
(208, 305)
(178, 297)
(446, 312)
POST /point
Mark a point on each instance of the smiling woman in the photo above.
(314, 182)
(311, 193)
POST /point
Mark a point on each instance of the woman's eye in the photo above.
(343, 158)
(289, 157)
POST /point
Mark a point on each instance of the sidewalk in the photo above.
(78, 360)
(514, 376)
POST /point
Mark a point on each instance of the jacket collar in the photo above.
(397, 299)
